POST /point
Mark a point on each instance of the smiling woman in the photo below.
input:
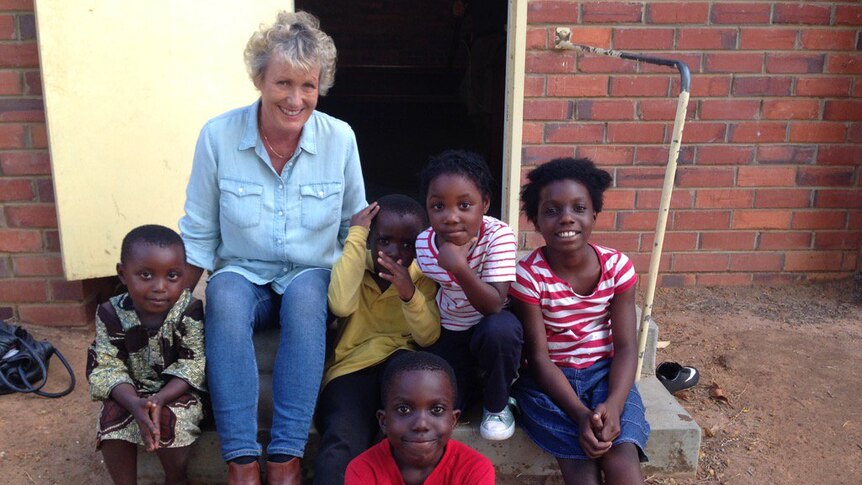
(268, 206)
(288, 96)
(289, 81)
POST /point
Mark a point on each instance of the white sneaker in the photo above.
(497, 426)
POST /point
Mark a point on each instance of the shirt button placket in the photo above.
(280, 224)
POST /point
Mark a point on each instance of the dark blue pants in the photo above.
(486, 359)
(347, 420)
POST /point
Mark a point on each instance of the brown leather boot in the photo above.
(287, 473)
(248, 474)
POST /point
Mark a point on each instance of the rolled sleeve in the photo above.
(199, 226)
(347, 273)
(354, 189)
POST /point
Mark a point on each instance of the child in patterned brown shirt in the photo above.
(147, 362)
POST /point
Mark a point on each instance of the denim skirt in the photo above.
(556, 433)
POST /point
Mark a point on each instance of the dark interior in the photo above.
(402, 84)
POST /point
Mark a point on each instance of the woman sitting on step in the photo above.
(268, 207)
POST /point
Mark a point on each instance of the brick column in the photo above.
(32, 286)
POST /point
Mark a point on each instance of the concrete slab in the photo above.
(266, 345)
(648, 368)
(672, 448)
(674, 440)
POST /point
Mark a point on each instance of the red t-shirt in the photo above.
(460, 465)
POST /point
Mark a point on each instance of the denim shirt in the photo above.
(243, 217)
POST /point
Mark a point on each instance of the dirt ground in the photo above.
(786, 360)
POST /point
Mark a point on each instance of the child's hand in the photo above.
(596, 423)
(149, 430)
(398, 276)
(155, 411)
(592, 445)
(609, 416)
(452, 257)
(365, 216)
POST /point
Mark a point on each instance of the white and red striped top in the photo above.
(578, 327)
(493, 258)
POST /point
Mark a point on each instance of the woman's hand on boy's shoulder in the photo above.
(365, 216)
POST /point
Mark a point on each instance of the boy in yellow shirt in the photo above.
(385, 306)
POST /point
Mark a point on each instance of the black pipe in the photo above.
(684, 72)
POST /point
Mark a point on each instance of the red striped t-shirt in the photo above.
(492, 258)
(578, 327)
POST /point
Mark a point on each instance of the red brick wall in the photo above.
(768, 186)
(32, 287)
(768, 189)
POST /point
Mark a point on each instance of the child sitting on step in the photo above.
(576, 301)
(472, 256)
(385, 307)
(418, 417)
(146, 364)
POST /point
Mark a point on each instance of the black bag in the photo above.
(24, 362)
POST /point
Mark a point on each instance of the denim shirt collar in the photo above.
(250, 136)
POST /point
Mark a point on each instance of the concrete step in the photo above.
(674, 440)
(266, 344)
(672, 448)
(648, 368)
(673, 445)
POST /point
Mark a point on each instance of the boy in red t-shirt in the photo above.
(418, 392)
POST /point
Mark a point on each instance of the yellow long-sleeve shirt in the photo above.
(372, 325)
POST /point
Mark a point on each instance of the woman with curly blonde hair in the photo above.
(268, 207)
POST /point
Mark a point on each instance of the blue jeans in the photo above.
(235, 309)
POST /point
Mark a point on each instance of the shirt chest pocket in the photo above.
(321, 204)
(240, 202)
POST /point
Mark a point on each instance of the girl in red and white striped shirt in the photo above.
(472, 256)
(576, 301)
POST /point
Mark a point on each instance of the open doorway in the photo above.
(417, 78)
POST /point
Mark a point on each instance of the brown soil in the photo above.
(787, 360)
